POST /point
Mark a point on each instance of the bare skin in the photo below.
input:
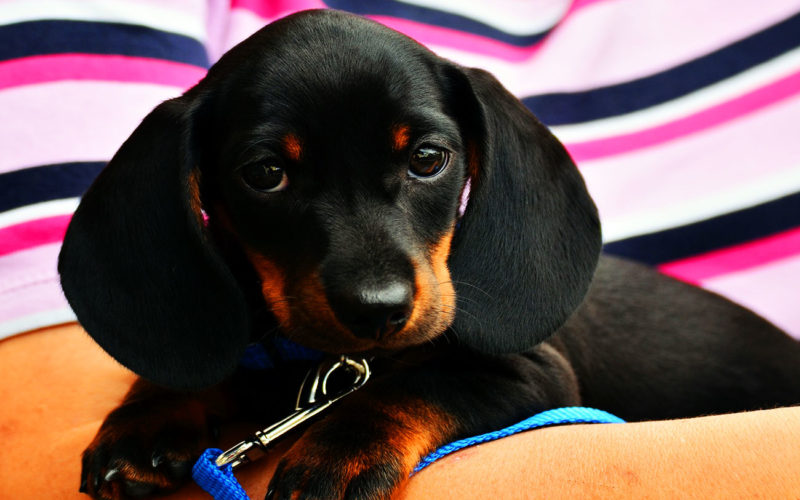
(57, 386)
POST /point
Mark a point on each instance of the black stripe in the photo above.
(726, 230)
(60, 37)
(434, 17)
(578, 107)
(46, 183)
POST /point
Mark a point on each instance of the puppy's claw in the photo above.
(96, 482)
(111, 475)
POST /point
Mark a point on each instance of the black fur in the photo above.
(177, 301)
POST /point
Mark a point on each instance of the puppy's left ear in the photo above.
(529, 241)
(138, 267)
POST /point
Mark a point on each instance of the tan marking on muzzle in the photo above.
(315, 303)
(433, 286)
(193, 184)
(273, 285)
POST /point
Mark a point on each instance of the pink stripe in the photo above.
(737, 258)
(35, 264)
(759, 146)
(34, 233)
(721, 113)
(47, 68)
(34, 297)
(71, 121)
(770, 290)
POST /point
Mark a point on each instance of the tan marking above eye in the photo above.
(400, 136)
(292, 147)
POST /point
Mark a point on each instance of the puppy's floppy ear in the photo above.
(137, 266)
(529, 241)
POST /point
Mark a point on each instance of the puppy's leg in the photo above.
(149, 443)
(369, 444)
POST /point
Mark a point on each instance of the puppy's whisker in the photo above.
(475, 287)
(470, 316)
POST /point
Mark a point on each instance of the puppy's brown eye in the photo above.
(265, 177)
(427, 161)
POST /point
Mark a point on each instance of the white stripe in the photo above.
(718, 93)
(510, 16)
(755, 192)
(38, 211)
(119, 11)
(36, 321)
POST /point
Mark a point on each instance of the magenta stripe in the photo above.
(47, 68)
(721, 113)
(33, 233)
(275, 8)
(728, 260)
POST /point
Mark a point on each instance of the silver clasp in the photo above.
(312, 399)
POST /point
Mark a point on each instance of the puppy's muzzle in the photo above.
(374, 311)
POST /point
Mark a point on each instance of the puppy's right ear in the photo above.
(139, 269)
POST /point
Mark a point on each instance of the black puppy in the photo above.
(310, 187)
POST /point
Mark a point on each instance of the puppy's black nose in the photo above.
(376, 312)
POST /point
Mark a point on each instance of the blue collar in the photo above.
(271, 353)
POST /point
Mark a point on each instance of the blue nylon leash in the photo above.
(221, 484)
(557, 416)
(218, 482)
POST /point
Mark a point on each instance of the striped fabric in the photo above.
(682, 116)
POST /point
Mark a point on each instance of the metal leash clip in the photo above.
(312, 399)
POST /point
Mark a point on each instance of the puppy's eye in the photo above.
(427, 161)
(266, 177)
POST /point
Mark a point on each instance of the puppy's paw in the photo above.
(310, 470)
(142, 450)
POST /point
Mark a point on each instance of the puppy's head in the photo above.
(331, 155)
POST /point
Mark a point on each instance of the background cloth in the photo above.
(681, 115)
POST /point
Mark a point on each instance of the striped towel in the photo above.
(682, 116)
